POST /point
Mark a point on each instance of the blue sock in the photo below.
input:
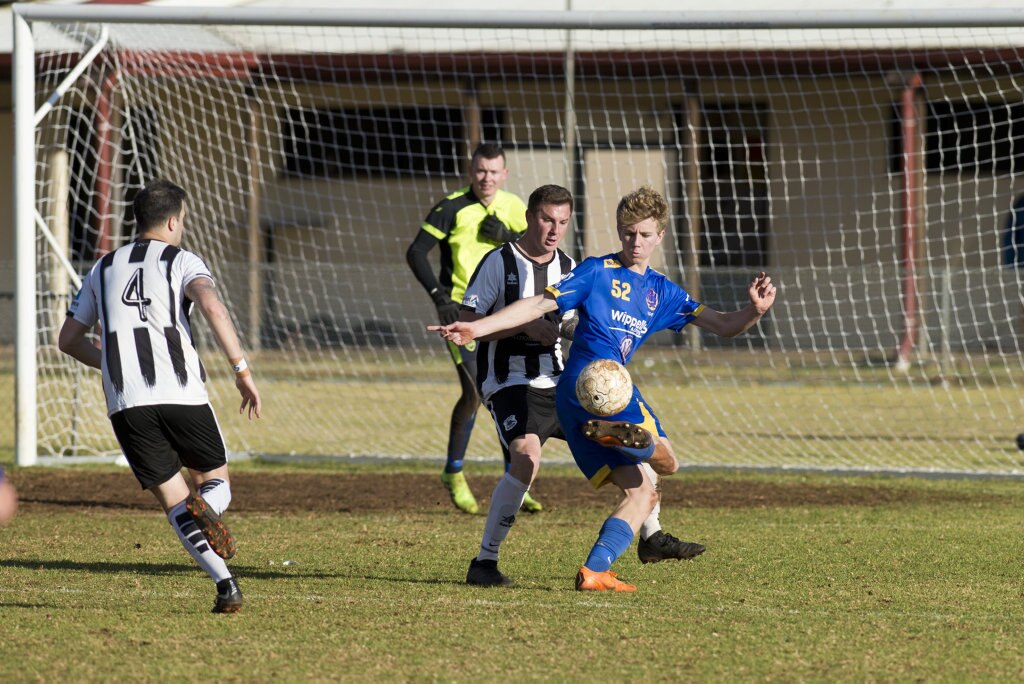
(637, 453)
(615, 537)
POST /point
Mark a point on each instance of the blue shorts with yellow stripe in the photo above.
(594, 460)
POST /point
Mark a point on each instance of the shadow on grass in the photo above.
(146, 506)
(248, 572)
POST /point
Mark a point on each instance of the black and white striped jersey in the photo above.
(504, 275)
(137, 294)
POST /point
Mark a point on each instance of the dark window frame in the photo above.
(379, 141)
(961, 136)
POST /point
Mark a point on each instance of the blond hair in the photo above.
(642, 204)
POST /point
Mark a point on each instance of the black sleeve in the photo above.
(418, 258)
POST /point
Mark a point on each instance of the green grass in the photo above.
(879, 427)
(721, 408)
(920, 581)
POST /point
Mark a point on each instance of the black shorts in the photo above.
(157, 440)
(523, 410)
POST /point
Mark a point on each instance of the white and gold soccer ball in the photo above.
(604, 387)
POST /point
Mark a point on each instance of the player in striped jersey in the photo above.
(518, 370)
(620, 302)
(154, 382)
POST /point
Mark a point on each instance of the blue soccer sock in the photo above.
(636, 452)
(615, 537)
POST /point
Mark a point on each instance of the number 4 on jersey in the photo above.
(134, 295)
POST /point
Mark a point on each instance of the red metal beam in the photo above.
(911, 195)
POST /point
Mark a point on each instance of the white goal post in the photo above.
(871, 162)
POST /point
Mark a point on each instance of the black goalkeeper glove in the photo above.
(494, 230)
(447, 310)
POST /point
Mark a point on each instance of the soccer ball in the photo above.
(604, 387)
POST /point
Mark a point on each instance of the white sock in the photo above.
(217, 494)
(653, 522)
(505, 502)
(195, 543)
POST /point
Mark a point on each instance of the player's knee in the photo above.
(651, 498)
(655, 499)
(523, 464)
(664, 463)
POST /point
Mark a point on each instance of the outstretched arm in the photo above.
(516, 314)
(762, 296)
(541, 330)
(203, 292)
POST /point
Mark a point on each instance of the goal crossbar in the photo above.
(539, 19)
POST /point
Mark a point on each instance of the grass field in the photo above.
(806, 578)
(730, 408)
(356, 572)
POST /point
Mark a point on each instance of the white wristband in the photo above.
(239, 367)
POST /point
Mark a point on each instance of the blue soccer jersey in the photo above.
(618, 310)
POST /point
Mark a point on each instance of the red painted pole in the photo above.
(911, 193)
(104, 162)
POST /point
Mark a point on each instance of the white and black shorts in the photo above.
(157, 440)
(523, 410)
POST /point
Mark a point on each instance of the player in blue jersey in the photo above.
(620, 302)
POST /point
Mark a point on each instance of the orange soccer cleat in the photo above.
(617, 434)
(588, 580)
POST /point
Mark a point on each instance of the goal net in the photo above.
(875, 170)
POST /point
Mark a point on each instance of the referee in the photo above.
(154, 382)
(467, 224)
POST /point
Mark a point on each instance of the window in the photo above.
(379, 141)
(966, 136)
(734, 185)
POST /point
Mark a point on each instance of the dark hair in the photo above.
(548, 194)
(488, 151)
(157, 202)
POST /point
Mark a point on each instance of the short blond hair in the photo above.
(641, 204)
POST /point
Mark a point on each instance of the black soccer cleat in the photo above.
(229, 597)
(1020, 441)
(485, 573)
(661, 546)
(211, 525)
(617, 434)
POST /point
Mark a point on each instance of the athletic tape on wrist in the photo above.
(241, 368)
